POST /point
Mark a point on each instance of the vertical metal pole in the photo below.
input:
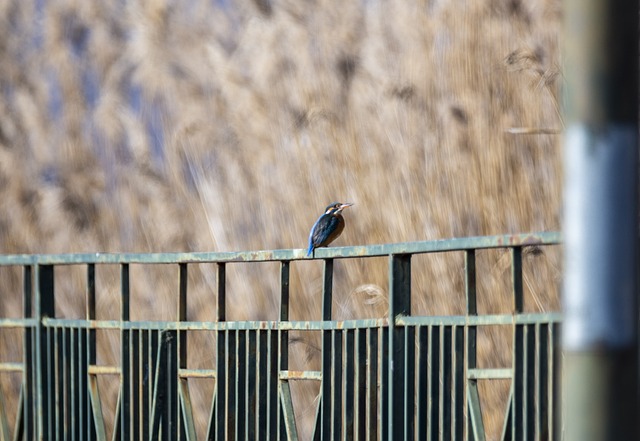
(182, 316)
(182, 345)
(327, 353)
(29, 375)
(283, 342)
(91, 310)
(516, 280)
(518, 402)
(44, 307)
(221, 367)
(399, 305)
(600, 342)
(284, 313)
(125, 377)
(474, 424)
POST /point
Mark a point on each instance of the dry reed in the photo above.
(201, 126)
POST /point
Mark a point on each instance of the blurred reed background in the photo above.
(159, 126)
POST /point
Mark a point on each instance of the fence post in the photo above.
(600, 342)
(125, 341)
(399, 305)
(219, 431)
(28, 380)
(324, 431)
(45, 307)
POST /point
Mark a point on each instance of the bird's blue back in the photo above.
(321, 232)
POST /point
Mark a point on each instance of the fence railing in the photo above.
(402, 376)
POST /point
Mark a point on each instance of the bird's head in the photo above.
(336, 208)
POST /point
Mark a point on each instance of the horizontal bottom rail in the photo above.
(197, 373)
(312, 325)
(11, 367)
(301, 375)
(489, 374)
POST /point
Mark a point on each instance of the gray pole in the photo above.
(600, 331)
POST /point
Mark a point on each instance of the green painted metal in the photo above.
(402, 376)
(436, 246)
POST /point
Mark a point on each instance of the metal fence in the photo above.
(399, 377)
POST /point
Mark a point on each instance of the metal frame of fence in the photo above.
(398, 377)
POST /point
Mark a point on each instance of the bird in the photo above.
(328, 226)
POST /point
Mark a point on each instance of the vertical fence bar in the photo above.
(472, 399)
(472, 310)
(516, 280)
(183, 277)
(134, 388)
(50, 381)
(399, 305)
(182, 314)
(268, 392)
(74, 414)
(171, 409)
(348, 383)
(222, 297)
(553, 390)
(261, 383)
(283, 340)
(474, 426)
(76, 387)
(159, 400)
(360, 383)
(268, 389)
(445, 381)
(519, 369)
(232, 381)
(143, 386)
(542, 380)
(252, 396)
(433, 381)
(125, 380)
(336, 379)
(530, 379)
(421, 382)
(85, 431)
(273, 402)
(58, 395)
(44, 307)
(221, 371)
(459, 380)
(382, 412)
(241, 390)
(327, 299)
(29, 379)
(385, 397)
(89, 346)
(409, 385)
(372, 384)
(517, 384)
(67, 378)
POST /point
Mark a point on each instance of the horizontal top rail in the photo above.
(456, 244)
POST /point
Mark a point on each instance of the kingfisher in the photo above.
(328, 226)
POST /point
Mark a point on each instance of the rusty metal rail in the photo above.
(398, 377)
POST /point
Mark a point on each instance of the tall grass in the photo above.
(199, 126)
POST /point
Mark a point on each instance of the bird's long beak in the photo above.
(345, 205)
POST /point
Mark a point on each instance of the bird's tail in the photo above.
(310, 250)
